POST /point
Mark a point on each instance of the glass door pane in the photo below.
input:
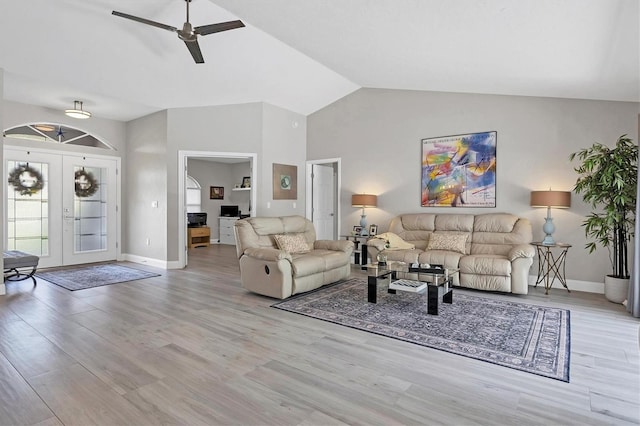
(28, 207)
(33, 204)
(90, 209)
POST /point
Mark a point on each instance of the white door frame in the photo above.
(182, 205)
(308, 188)
(75, 154)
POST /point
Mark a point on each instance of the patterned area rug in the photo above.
(526, 337)
(93, 276)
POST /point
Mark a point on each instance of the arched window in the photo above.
(57, 133)
(194, 195)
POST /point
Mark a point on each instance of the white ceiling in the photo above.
(304, 54)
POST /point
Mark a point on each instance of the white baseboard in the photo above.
(577, 285)
(156, 263)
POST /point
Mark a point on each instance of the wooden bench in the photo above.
(15, 262)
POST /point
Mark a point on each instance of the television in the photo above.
(196, 220)
(229, 211)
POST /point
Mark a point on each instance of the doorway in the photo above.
(323, 201)
(229, 157)
(61, 207)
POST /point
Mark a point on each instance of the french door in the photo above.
(61, 207)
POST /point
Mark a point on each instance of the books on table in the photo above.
(408, 285)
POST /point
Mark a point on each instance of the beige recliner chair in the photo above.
(268, 270)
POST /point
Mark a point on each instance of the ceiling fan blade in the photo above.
(216, 28)
(145, 21)
(194, 48)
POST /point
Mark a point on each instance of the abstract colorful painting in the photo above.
(459, 170)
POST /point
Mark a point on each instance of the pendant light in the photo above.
(77, 111)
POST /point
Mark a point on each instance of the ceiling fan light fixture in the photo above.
(77, 111)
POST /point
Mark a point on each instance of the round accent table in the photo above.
(551, 264)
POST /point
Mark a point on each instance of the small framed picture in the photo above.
(357, 229)
(216, 193)
(246, 182)
(373, 229)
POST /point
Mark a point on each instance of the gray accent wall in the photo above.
(377, 134)
(284, 142)
(257, 128)
(145, 180)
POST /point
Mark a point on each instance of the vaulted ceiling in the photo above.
(304, 54)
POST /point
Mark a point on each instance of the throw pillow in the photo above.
(447, 241)
(292, 243)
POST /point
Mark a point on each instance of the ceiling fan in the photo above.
(188, 34)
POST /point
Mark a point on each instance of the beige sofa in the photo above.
(266, 269)
(491, 250)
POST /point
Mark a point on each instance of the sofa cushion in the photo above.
(292, 243)
(317, 261)
(485, 264)
(447, 241)
(448, 259)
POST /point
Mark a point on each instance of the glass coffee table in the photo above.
(434, 280)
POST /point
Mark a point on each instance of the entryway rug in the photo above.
(80, 278)
(526, 337)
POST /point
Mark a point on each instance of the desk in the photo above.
(551, 263)
(360, 254)
(226, 224)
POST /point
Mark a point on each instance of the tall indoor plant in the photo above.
(608, 178)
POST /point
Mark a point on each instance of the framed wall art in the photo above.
(216, 192)
(459, 171)
(285, 182)
(246, 182)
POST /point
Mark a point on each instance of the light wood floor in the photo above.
(192, 347)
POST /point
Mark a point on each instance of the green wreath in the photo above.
(26, 180)
(86, 184)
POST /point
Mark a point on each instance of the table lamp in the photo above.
(364, 200)
(548, 199)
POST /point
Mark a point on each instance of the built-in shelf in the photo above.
(241, 189)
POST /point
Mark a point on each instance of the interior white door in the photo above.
(70, 216)
(33, 218)
(89, 210)
(324, 201)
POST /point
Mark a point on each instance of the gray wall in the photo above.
(145, 181)
(284, 142)
(257, 128)
(377, 134)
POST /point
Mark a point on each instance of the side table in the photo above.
(551, 265)
(360, 253)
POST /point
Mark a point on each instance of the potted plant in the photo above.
(608, 179)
